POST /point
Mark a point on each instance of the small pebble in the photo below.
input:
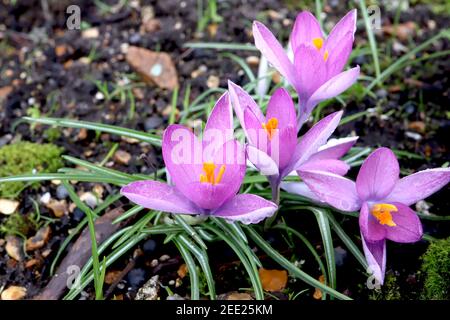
(14, 248)
(122, 157)
(45, 198)
(149, 246)
(171, 282)
(78, 214)
(213, 82)
(340, 254)
(154, 263)
(61, 192)
(164, 257)
(8, 206)
(14, 293)
(152, 123)
(136, 277)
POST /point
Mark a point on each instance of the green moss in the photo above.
(436, 268)
(52, 134)
(26, 158)
(17, 224)
(390, 290)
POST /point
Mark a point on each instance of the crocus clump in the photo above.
(273, 147)
(316, 70)
(206, 174)
(382, 199)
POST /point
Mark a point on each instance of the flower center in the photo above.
(383, 213)
(210, 176)
(318, 43)
(270, 126)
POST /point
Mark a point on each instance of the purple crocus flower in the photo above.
(273, 147)
(206, 174)
(316, 72)
(383, 200)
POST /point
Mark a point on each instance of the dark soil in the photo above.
(63, 85)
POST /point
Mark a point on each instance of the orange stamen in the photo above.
(209, 176)
(318, 43)
(271, 127)
(383, 213)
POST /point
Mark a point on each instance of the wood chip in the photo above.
(273, 280)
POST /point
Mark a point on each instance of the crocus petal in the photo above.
(273, 51)
(338, 167)
(316, 137)
(419, 185)
(256, 135)
(221, 117)
(281, 147)
(334, 148)
(282, 108)
(159, 196)
(375, 253)
(378, 175)
(182, 153)
(330, 89)
(408, 226)
(311, 71)
(246, 208)
(305, 29)
(347, 25)
(333, 189)
(339, 55)
(262, 161)
(301, 189)
(241, 100)
(371, 229)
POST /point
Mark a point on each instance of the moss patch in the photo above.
(436, 268)
(26, 158)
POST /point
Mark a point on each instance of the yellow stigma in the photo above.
(318, 43)
(270, 126)
(325, 55)
(382, 212)
(209, 176)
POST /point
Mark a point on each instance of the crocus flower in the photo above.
(383, 200)
(205, 183)
(273, 147)
(316, 70)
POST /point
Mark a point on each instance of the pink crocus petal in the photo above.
(330, 89)
(347, 25)
(378, 175)
(262, 161)
(269, 46)
(246, 208)
(408, 226)
(256, 135)
(221, 117)
(338, 167)
(159, 196)
(281, 146)
(333, 189)
(282, 108)
(182, 153)
(370, 228)
(375, 253)
(339, 55)
(316, 137)
(240, 101)
(419, 185)
(310, 69)
(305, 29)
(301, 189)
(334, 148)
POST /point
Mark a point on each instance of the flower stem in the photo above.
(275, 185)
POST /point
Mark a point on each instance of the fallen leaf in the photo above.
(273, 280)
(318, 293)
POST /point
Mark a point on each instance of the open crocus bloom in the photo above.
(273, 146)
(206, 174)
(383, 200)
(316, 72)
